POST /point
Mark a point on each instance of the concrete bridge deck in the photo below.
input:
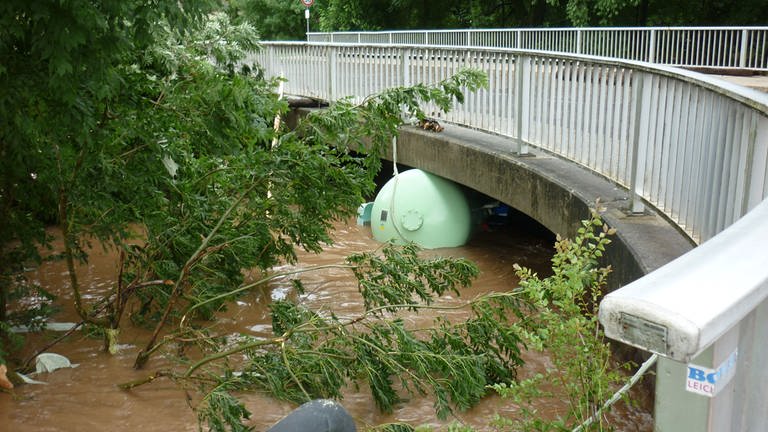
(757, 82)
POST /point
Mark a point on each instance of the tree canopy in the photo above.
(285, 20)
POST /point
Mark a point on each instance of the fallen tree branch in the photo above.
(616, 396)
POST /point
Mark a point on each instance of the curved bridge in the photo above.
(661, 143)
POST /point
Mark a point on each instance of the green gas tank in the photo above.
(420, 207)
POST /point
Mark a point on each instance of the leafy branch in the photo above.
(565, 327)
(315, 354)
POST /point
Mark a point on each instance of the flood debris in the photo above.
(49, 362)
(45, 363)
(51, 326)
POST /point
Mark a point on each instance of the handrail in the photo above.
(710, 47)
(716, 285)
(640, 125)
(694, 147)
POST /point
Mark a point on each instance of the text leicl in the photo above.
(709, 382)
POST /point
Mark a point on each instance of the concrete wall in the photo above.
(557, 193)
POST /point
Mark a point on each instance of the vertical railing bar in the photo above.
(584, 112)
(697, 49)
(692, 169)
(629, 81)
(697, 167)
(732, 52)
(721, 197)
(714, 165)
(593, 90)
(527, 104)
(563, 70)
(497, 89)
(521, 66)
(578, 41)
(534, 127)
(739, 165)
(670, 48)
(571, 108)
(598, 129)
(718, 57)
(544, 81)
(750, 160)
(505, 93)
(487, 120)
(606, 131)
(684, 116)
(551, 87)
(665, 145)
(655, 142)
(731, 177)
(668, 144)
(362, 82)
(610, 45)
(640, 141)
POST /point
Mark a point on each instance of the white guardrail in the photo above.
(713, 47)
(692, 146)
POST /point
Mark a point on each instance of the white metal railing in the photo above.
(666, 134)
(692, 146)
(714, 47)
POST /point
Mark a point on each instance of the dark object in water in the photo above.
(320, 415)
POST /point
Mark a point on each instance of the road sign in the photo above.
(307, 3)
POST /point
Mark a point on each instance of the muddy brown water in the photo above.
(86, 398)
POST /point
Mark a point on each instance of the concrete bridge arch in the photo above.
(555, 192)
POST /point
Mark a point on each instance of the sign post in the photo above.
(307, 4)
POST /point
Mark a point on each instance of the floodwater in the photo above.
(86, 398)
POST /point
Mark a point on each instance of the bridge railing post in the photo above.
(643, 91)
(332, 72)
(405, 67)
(744, 46)
(522, 111)
(578, 41)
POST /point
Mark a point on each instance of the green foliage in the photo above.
(223, 412)
(278, 20)
(61, 70)
(317, 354)
(386, 288)
(566, 327)
(274, 19)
